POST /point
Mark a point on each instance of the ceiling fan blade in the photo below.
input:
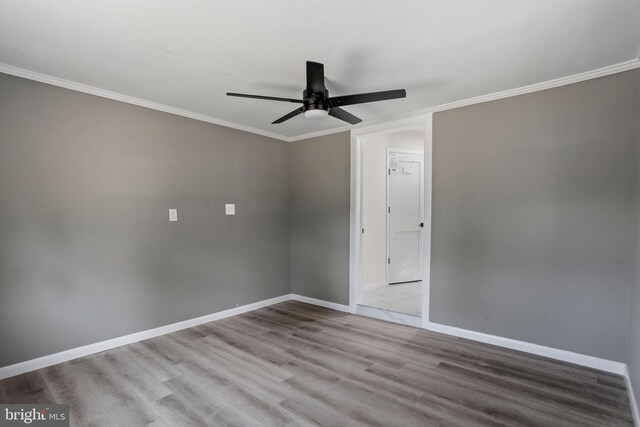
(315, 76)
(288, 116)
(363, 98)
(343, 115)
(269, 98)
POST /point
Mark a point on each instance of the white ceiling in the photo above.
(187, 54)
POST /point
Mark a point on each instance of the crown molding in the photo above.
(549, 84)
(536, 87)
(79, 87)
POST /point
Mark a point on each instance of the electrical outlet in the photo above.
(173, 215)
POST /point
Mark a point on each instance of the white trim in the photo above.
(67, 84)
(549, 84)
(537, 87)
(355, 235)
(632, 397)
(321, 303)
(562, 81)
(409, 123)
(355, 222)
(564, 355)
(426, 232)
(74, 353)
(552, 353)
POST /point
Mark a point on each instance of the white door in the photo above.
(405, 216)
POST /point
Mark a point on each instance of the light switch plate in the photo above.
(230, 209)
(173, 215)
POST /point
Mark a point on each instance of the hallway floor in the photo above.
(400, 298)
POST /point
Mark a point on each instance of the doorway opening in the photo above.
(392, 183)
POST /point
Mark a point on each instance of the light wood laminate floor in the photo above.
(297, 364)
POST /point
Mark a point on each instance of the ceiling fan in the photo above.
(316, 103)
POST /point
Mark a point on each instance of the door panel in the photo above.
(405, 213)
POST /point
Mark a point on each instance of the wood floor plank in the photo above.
(294, 364)
(154, 362)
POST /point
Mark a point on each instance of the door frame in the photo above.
(355, 224)
(388, 200)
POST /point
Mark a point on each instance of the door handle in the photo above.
(422, 224)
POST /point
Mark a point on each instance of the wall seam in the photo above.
(290, 191)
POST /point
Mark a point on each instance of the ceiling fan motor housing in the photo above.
(315, 100)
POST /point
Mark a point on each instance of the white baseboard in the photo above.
(564, 355)
(553, 353)
(632, 397)
(74, 353)
(321, 303)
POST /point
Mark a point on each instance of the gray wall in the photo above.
(533, 210)
(532, 222)
(633, 343)
(320, 189)
(86, 249)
